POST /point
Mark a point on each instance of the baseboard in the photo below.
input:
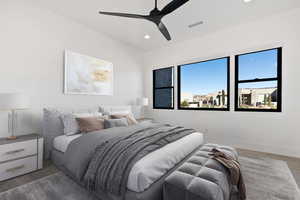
(279, 150)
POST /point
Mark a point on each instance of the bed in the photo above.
(71, 154)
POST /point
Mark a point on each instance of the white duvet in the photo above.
(153, 166)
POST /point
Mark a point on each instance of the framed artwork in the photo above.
(85, 75)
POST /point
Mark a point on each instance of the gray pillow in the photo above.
(110, 123)
(52, 127)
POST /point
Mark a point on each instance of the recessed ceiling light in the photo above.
(147, 37)
(247, 1)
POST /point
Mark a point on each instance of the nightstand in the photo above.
(20, 156)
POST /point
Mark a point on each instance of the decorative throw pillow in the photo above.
(89, 124)
(71, 126)
(130, 118)
(110, 123)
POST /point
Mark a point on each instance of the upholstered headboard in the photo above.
(53, 126)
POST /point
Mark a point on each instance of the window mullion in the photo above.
(258, 80)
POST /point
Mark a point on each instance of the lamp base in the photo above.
(11, 138)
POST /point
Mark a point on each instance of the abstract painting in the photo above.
(87, 75)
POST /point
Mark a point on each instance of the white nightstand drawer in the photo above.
(18, 150)
(17, 167)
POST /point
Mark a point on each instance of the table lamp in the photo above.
(143, 102)
(13, 102)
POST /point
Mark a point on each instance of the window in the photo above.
(204, 85)
(258, 81)
(163, 88)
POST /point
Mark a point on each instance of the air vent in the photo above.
(196, 24)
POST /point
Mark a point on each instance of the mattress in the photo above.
(153, 166)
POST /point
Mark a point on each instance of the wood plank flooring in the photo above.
(49, 168)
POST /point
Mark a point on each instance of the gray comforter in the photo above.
(103, 160)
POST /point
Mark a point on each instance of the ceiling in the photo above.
(216, 14)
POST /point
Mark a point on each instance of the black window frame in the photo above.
(157, 88)
(204, 109)
(278, 79)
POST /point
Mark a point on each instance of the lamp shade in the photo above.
(13, 101)
(143, 101)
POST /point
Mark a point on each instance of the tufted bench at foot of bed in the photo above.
(200, 177)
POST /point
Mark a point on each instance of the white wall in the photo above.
(269, 132)
(32, 43)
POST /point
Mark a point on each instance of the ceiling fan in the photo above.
(155, 15)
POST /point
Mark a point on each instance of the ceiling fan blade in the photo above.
(163, 29)
(124, 15)
(175, 4)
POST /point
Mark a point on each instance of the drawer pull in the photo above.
(15, 168)
(15, 151)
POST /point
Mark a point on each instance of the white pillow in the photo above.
(71, 126)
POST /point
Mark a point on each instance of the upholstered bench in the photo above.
(200, 177)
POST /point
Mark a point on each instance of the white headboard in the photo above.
(135, 110)
(110, 109)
